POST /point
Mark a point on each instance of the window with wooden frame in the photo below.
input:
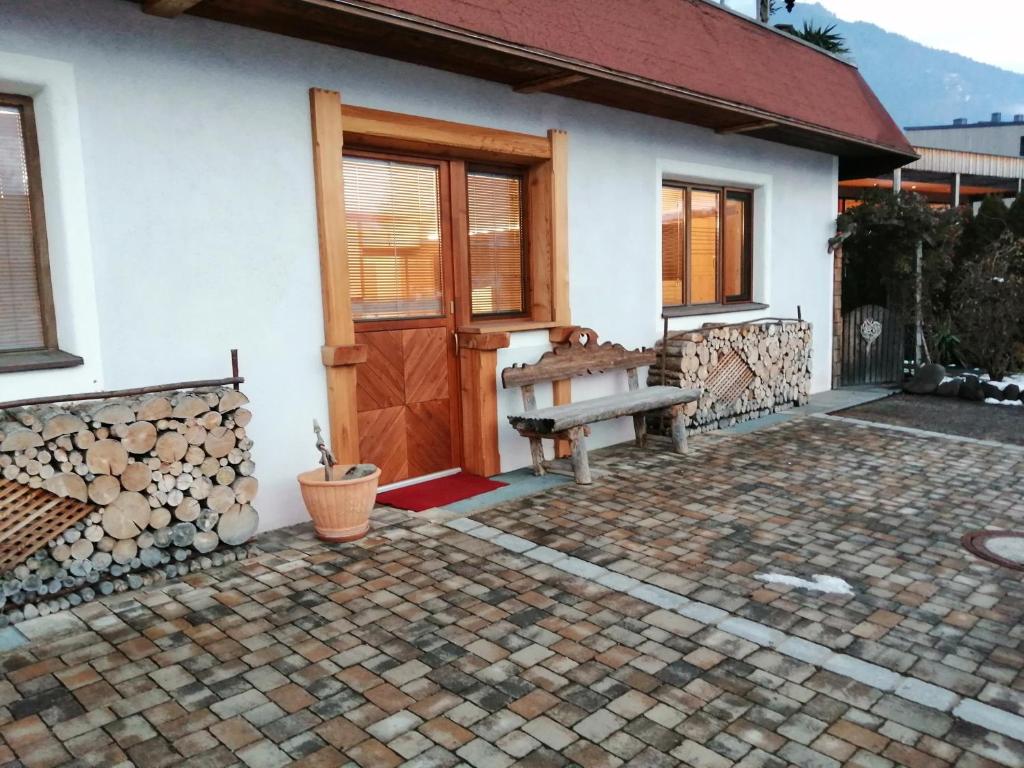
(706, 245)
(27, 322)
(498, 264)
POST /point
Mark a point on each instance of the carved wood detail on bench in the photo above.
(580, 355)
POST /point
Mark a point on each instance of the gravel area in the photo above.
(1003, 423)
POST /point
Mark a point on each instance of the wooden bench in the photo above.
(579, 356)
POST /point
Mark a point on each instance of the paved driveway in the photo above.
(622, 623)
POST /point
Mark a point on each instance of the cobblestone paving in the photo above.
(426, 646)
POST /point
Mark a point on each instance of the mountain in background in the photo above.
(917, 84)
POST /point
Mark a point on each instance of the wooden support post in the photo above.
(640, 429)
(679, 429)
(580, 461)
(478, 381)
(325, 111)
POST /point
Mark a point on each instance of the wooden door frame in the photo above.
(544, 157)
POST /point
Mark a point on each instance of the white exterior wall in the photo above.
(198, 219)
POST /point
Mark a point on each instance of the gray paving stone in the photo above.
(597, 726)
(513, 543)
(580, 568)
(927, 694)
(480, 754)
(394, 726)
(805, 650)
(702, 612)
(863, 672)
(657, 596)
(546, 555)
(992, 718)
(618, 581)
(752, 631)
(463, 524)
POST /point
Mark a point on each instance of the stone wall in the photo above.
(744, 371)
(104, 495)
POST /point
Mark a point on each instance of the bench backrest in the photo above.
(580, 355)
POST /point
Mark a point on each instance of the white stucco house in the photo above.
(382, 204)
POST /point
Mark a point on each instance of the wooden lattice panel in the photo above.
(30, 517)
(730, 378)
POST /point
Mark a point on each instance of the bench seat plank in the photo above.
(559, 418)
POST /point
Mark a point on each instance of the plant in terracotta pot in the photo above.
(339, 497)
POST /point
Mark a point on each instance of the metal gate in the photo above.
(872, 350)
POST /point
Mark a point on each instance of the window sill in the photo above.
(712, 309)
(37, 360)
(507, 326)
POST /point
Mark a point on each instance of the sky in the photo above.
(984, 30)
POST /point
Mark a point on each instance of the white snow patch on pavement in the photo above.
(1016, 378)
(993, 401)
(833, 585)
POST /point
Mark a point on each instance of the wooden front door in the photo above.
(400, 269)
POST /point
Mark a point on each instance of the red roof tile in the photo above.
(688, 44)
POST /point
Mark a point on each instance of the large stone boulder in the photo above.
(948, 388)
(1011, 392)
(991, 390)
(926, 380)
(971, 389)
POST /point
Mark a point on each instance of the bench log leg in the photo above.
(640, 429)
(678, 428)
(537, 454)
(578, 451)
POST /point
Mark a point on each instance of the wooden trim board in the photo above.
(394, 131)
(325, 111)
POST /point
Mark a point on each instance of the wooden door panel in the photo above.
(426, 364)
(428, 437)
(382, 441)
(380, 381)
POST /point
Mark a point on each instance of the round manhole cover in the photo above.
(1003, 547)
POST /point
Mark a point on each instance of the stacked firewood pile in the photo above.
(164, 484)
(744, 371)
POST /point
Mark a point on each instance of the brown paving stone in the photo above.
(372, 754)
(341, 733)
(448, 734)
(234, 733)
(504, 659)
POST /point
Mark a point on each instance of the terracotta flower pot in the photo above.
(340, 509)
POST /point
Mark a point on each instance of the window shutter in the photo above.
(393, 223)
(496, 245)
(21, 319)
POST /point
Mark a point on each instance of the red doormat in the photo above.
(437, 493)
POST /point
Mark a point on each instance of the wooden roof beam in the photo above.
(544, 84)
(757, 125)
(168, 8)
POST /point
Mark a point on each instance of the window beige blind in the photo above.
(496, 253)
(21, 322)
(393, 221)
(704, 207)
(673, 231)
